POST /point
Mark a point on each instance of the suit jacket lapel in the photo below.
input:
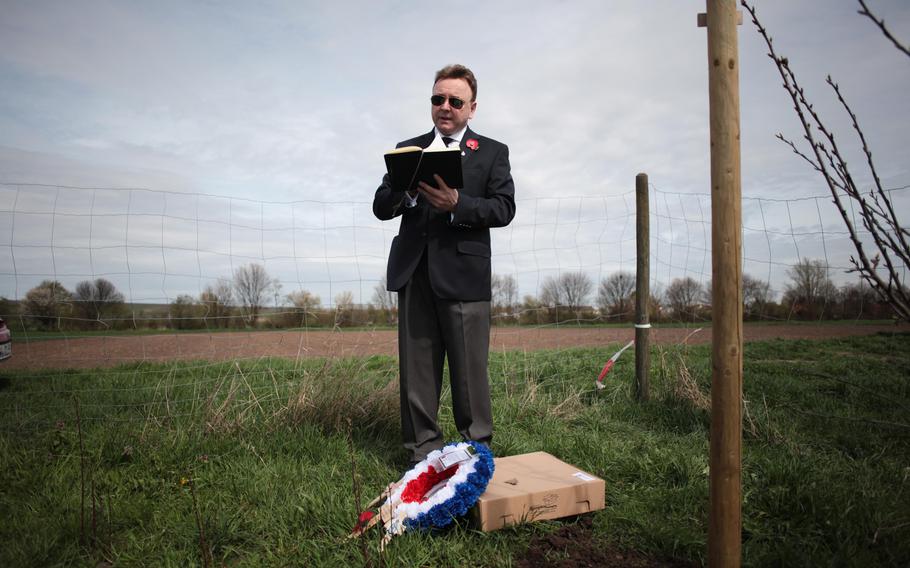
(465, 152)
(427, 139)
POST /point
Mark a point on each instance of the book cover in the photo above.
(410, 165)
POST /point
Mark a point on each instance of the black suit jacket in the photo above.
(458, 250)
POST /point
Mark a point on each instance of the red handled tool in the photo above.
(609, 364)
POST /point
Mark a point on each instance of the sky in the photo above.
(254, 131)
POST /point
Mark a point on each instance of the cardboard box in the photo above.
(533, 487)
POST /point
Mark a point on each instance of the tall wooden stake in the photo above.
(642, 291)
(724, 529)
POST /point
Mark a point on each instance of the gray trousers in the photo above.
(430, 330)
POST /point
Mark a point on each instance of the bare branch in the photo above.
(878, 216)
(798, 152)
(880, 22)
(892, 216)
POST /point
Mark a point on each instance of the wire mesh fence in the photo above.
(92, 278)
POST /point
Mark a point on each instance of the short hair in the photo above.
(458, 71)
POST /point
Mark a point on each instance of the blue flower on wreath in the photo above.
(436, 492)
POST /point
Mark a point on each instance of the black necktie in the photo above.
(446, 140)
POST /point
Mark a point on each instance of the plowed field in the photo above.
(91, 352)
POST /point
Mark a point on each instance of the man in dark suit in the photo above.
(440, 266)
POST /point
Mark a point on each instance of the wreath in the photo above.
(435, 492)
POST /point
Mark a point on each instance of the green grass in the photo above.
(268, 447)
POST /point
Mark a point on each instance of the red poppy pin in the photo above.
(472, 144)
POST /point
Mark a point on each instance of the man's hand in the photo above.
(442, 197)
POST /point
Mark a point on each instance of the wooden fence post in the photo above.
(725, 519)
(642, 290)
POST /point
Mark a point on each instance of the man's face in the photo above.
(447, 118)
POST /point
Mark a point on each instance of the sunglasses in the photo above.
(454, 102)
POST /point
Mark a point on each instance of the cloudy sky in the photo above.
(283, 111)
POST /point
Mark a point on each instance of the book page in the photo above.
(405, 149)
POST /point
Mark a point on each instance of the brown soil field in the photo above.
(108, 351)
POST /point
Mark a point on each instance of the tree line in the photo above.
(251, 298)
(810, 294)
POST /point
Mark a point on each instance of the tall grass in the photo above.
(250, 463)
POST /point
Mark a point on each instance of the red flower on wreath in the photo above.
(472, 144)
(416, 491)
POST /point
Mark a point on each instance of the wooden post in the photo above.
(642, 290)
(725, 519)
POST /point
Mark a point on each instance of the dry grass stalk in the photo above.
(150, 416)
(750, 427)
(254, 398)
(204, 549)
(529, 393)
(356, 487)
(686, 388)
(569, 408)
(81, 471)
(328, 399)
(217, 414)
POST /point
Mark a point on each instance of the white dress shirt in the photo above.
(436, 143)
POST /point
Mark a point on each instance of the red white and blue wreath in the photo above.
(433, 493)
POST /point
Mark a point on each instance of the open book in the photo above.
(412, 164)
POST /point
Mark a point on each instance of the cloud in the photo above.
(293, 103)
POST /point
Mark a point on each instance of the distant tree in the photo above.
(505, 292)
(684, 296)
(756, 296)
(810, 290)
(344, 308)
(615, 294)
(7, 308)
(532, 311)
(551, 300)
(184, 313)
(96, 299)
(46, 303)
(575, 288)
(549, 293)
(216, 303)
(658, 301)
(276, 291)
(386, 302)
(859, 300)
(305, 305)
(252, 285)
(657, 305)
(569, 290)
(505, 299)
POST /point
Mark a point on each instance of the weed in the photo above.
(279, 452)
